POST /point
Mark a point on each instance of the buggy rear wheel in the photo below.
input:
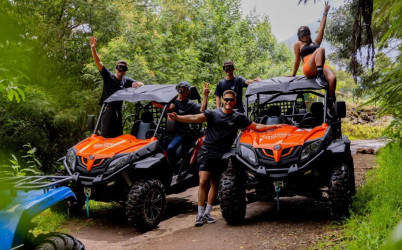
(232, 195)
(146, 204)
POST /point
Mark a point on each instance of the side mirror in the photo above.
(91, 122)
(340, 109)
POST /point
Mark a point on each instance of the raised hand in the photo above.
(93, 42)
(326, 9)
(206, 89)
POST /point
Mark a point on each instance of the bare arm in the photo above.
(199, 118)
(262, 127)
(218, 101)
(320, 34)
(296, 49)
(161, 106)
(257, 79)
(204, 104)
(97, 60)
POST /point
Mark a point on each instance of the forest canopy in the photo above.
(49, 82)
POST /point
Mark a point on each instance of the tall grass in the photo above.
(377, 207)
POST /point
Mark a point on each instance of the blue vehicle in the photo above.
(21, 199)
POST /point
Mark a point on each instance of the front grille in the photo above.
(289, 157)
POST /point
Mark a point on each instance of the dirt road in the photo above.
(299, 225)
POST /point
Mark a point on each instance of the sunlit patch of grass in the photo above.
(49, 221)
(362, 131)
(98, 205)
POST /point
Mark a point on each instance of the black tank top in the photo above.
(308, 49)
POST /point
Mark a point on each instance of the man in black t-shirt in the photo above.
(232, 82)
(222, 127)
(111, 123)
(183, 106)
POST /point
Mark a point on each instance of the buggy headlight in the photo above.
(248, 154)
(71, 159)
(310, 149)
(119, 162)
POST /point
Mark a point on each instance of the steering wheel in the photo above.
(151, 132)
(308, 122)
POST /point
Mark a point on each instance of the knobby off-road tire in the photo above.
(146, 204)
(340, 191)
(57, 241)
(232, 195)
(73, 207)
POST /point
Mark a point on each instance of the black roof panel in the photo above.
(282, 84)
(158, 93)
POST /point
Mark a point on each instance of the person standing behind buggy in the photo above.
(183, 106)
(111, 123)
(232, 82)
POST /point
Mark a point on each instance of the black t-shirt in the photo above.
(222, 128)
(111, 84)
(187, 107)
(236, 84)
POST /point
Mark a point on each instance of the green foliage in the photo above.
(382, 84)
(30, 166)
(45, 58)
(377, 207)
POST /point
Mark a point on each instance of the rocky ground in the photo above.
(300, 223)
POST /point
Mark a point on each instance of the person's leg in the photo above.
(331, 78)
(211, 199)
(172, 147)
(202, 196)
(317, 59)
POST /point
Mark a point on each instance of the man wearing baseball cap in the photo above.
(232, 82)
(183, 106)
(111, 123)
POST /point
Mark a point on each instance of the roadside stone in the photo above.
(370, 151)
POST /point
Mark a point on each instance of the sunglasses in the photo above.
(303, 33)
(122, 68)
(228, 67)
(181, 89)
(229, 99)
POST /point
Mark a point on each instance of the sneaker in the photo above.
(321, 81)
(209, 219)
(200, 221)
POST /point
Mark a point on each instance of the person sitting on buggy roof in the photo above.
(313, 56)
(111, 124)
(183, 106)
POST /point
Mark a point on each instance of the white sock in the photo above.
(200, 210)
(208, 209)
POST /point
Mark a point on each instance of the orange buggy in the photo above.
(132, 169)
(307, 155)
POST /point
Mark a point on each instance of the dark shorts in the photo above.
(211, 161)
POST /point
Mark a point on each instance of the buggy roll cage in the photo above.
(278, 86)
(160, 93)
